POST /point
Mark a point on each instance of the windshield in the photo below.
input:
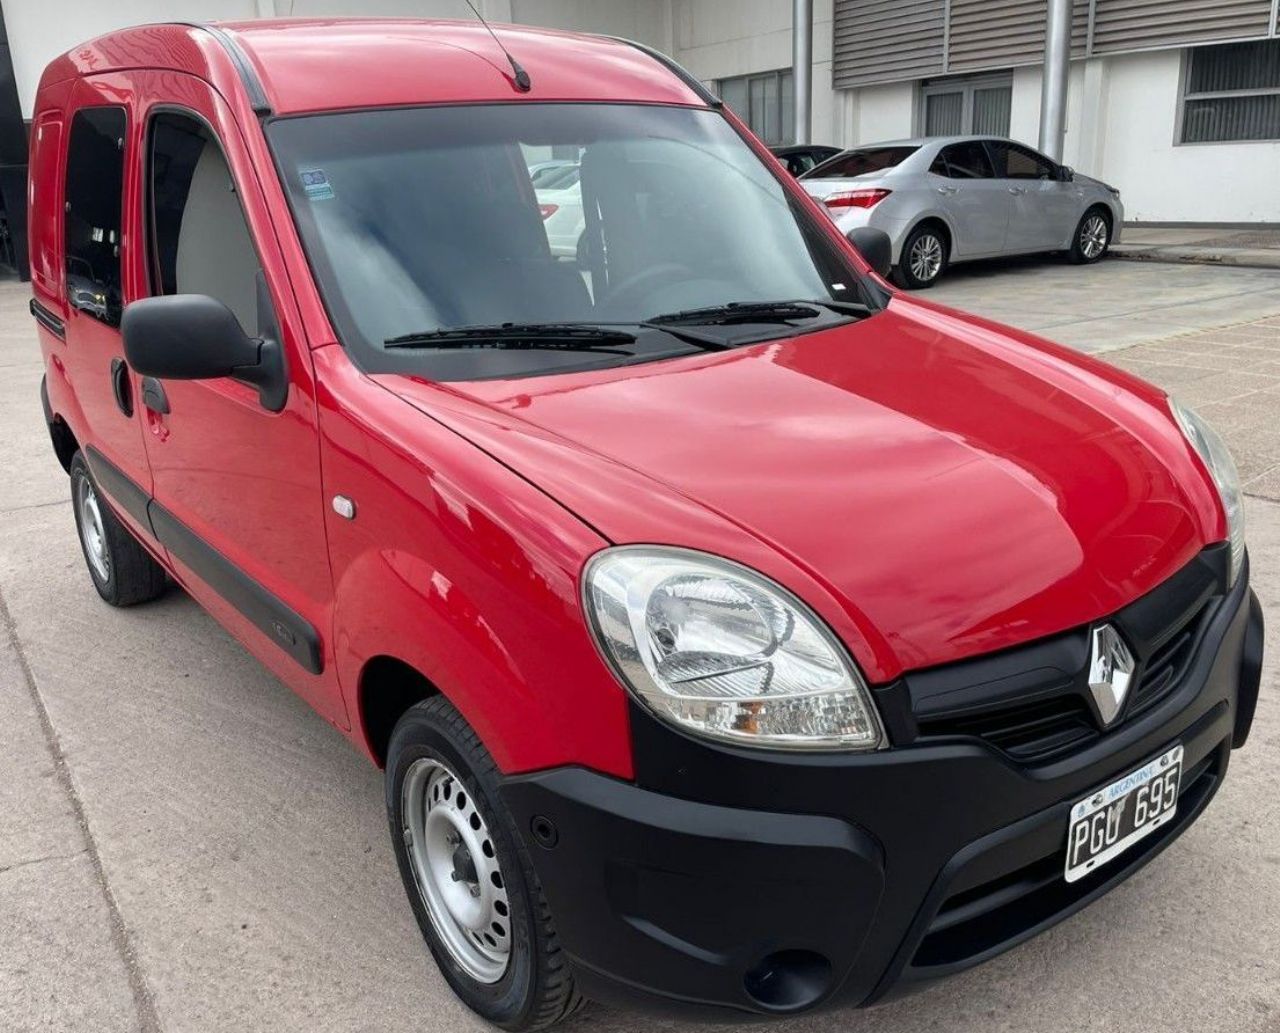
(425, 219)
(859, 163)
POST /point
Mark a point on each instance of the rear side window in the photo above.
(963, 161)
(1014, 162)
(95, 182)
(859, 163)
(200, 241)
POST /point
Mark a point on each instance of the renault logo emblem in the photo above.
(1111, 668)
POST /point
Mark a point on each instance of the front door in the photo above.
(238, 500)
(95, 187)
(977, 204)
(1043, 203)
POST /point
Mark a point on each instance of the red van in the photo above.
(738, 634)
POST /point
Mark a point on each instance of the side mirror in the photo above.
(1066, 173)
(875, 246)
(195, 337)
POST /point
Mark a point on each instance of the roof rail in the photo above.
(682, 73)
(244, 68)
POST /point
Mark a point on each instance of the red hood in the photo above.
(937, 486)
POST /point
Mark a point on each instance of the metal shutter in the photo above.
(1120, 25)
(1003, 33)
(880, 41)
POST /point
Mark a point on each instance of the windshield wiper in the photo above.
(565, 336)
(562, 336)
(736, 312)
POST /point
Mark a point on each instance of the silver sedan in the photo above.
(955, 198)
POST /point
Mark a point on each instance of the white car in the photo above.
(560, 202)
(951, 199)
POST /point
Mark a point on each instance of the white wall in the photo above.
(882, 112)
(1161, 181)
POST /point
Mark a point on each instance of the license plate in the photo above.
(1111, 820)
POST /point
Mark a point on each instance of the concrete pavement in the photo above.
(185, 846)
(1110, 305)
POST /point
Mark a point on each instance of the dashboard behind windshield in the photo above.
(425, 219)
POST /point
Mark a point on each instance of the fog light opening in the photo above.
(788, 980)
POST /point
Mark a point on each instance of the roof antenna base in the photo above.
(519, 76)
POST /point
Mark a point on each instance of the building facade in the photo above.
(1176, 102)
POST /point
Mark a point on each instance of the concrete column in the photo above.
(1090, 151)
(1053, 86)
(802, 66)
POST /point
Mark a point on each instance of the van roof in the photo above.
(305, 65)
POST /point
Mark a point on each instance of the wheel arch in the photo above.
(1105, 209)
(932, 218)
(65, 443)
(387, 687)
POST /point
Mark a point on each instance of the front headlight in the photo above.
(1222, 468)
(719, 650)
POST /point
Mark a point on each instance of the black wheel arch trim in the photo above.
(270, 614)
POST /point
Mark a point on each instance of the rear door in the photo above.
(978, 204)
(1044, 206)
(96, 189)
(238, 499)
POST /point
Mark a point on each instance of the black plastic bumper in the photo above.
(726, 882)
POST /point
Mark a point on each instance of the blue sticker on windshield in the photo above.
(316, 184)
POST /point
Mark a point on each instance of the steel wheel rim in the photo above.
(1093, 236)
(926, 257)
(456, 870)
(92, 533)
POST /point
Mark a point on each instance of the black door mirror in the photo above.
(1066, 173)
(195, 337)
(875, 246)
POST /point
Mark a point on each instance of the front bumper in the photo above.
(727, 881)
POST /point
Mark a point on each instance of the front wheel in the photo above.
(923, 258)
(470, 882)
(1092, 237)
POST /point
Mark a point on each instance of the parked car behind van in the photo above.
(801, 157)
(738, 635)
(949, 199)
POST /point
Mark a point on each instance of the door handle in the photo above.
(1015, 190)
(120, 386)
(153, 396)
(947, 190)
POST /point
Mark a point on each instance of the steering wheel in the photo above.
(634, 287)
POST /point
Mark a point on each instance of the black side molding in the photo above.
(676, 69)
(266, 611)
(244, 67)
(48, 320)
(120, 487)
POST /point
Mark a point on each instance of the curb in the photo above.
(1239, 257)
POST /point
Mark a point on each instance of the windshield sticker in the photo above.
(316, 184)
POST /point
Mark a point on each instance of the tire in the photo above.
(923, 258)
(447, 820)
(1092, 237)
(122, 571)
